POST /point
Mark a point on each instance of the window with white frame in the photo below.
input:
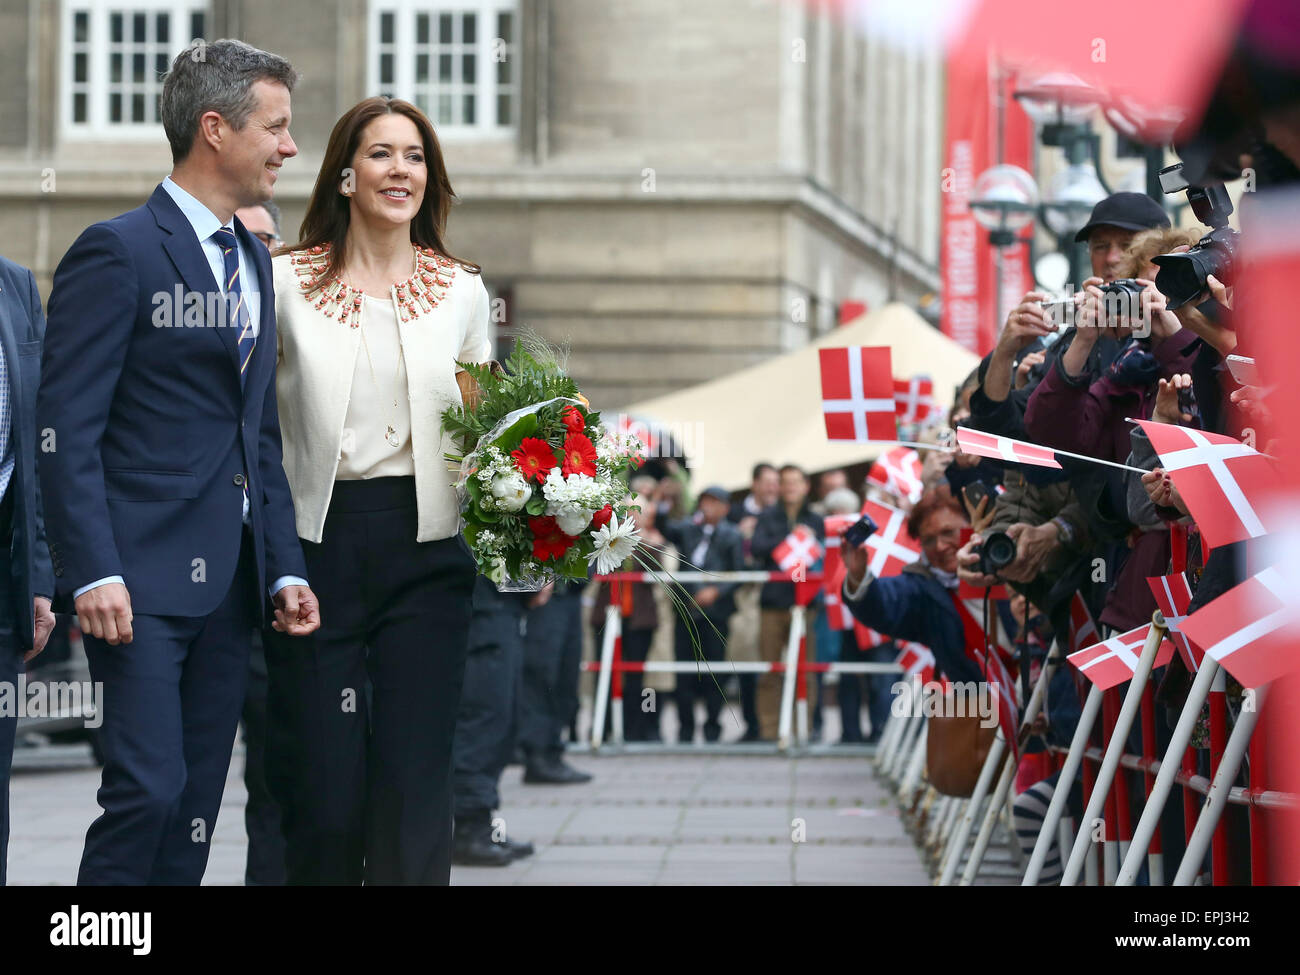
(115, 54)
(458, 60)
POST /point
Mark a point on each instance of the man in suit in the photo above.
(26, 579)
(168, 511)
(712, 544)
(776, 598)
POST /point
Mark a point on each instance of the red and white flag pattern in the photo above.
(1004, 448)
(916, 660)
(1251, 629)
(1222, 481)
(1174, 595)
(914, 399)
(1112, 662)
(1083, 629)
(800, 547)
(858, 394)
(867, 637)
(898, 472)
(891, 546)
(837, 614)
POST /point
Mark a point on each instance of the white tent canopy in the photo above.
(772, 411)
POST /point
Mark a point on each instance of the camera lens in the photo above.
(997, 552)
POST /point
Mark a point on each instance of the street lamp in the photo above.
(1004, 201)
(1059, 105)
(1074, 191)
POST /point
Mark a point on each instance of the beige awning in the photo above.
(772, 411)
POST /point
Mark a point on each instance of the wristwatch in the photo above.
(1064, 531)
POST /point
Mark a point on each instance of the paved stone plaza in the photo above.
(692, 818)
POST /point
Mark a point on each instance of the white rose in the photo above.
(511, 491)
(573, 520)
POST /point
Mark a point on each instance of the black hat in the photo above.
(1128, 211)
(718, 492)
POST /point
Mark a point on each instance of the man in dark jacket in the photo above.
(712, 544)
(776, 598)
(26, 577)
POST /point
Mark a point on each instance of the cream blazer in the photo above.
(442, 317)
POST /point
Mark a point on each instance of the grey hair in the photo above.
(842, 501)
(216, 77)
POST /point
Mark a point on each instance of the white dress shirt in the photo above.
(205, 224)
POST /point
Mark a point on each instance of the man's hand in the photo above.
(967, 560)
(1167, 410)
(706, 597)
(105, 613)
(1155, 311)
(542, 596)
(42, 626)
(856, 559)
(296, 611)
(1026, 365)
(1027, 321)
(1034, 546)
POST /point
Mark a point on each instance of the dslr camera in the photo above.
(996, 552)
(1182, 276)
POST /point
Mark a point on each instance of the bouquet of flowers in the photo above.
(541, 481)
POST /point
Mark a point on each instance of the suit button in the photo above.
(58, 571)
(239, 480)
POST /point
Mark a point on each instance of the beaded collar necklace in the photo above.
(418, 294)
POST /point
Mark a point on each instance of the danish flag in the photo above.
(1004, 448)
(1174, 596)
(914, 399)
(1083, 630)
(891, 546)
(898, 471)
(1220, 479)
(800, 547)
(837, 614)
(1112, 662)
(916, 659)
(858, 394)
(1250, 629)
(867, 637)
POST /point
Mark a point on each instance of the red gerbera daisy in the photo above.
(579, 455)
(573, 419)
(534, 458)
(601, 518)
(548, 540)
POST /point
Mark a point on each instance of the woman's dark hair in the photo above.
(936, 499)
(328, 213)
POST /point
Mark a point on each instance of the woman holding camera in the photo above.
(373, 315)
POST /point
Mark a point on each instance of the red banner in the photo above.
(967, 261)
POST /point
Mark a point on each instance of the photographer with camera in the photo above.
(919, 603)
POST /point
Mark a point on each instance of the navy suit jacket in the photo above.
(154, 441)
(22, 326)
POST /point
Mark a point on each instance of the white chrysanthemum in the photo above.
(511, 491)
(615, 541)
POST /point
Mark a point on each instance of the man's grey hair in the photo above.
(216, 77)
(842, 501)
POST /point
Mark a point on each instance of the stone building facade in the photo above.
(676, 188)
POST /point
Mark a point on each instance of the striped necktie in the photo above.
(239, 317)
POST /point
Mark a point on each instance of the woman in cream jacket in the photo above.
(372, 315)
